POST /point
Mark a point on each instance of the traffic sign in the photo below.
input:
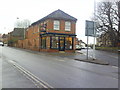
(89, 28)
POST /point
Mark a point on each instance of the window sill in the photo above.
(67, 31)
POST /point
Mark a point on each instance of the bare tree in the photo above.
(22, 24)
(107, 20)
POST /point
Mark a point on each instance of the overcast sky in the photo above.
(36, 9)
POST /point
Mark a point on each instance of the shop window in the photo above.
(68, 43)
(56, 25)
(54, 42)
(67, 26)
(43, 44)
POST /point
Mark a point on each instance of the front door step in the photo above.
(61, 51)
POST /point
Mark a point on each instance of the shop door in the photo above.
(61, 44)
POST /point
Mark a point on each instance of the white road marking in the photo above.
(88, 55)
(61, 60)
(91, 56)
(114, 57)
(115, 67)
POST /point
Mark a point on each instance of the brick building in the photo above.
(53, 33)
(14, 36)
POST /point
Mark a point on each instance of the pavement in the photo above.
(78, 55)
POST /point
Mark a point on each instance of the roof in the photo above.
(18, 32)
(58, 14)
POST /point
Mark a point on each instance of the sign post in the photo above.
(90, 31)
(87, 46)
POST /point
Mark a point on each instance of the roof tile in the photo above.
(58, 14)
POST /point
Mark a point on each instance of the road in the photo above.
(111, 58)
(10, 77)
(60, 72)
(0, 70)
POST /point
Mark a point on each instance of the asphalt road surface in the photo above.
(0, 71)
(58, 72)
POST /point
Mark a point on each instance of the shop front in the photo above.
(57, 42)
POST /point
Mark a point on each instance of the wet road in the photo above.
(62, 72)
(111, 58)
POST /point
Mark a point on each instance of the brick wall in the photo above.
(33, 40)
(62, 27)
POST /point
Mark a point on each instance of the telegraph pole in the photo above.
(118, 36)
(94, 35)
(118, 21)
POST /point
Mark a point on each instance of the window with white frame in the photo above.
(56, 25)
(67, 26)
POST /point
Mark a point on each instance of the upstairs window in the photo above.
(67, 26)
(56, 25)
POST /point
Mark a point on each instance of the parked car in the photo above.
(85, 47)
(78, 47)
(1, 44)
